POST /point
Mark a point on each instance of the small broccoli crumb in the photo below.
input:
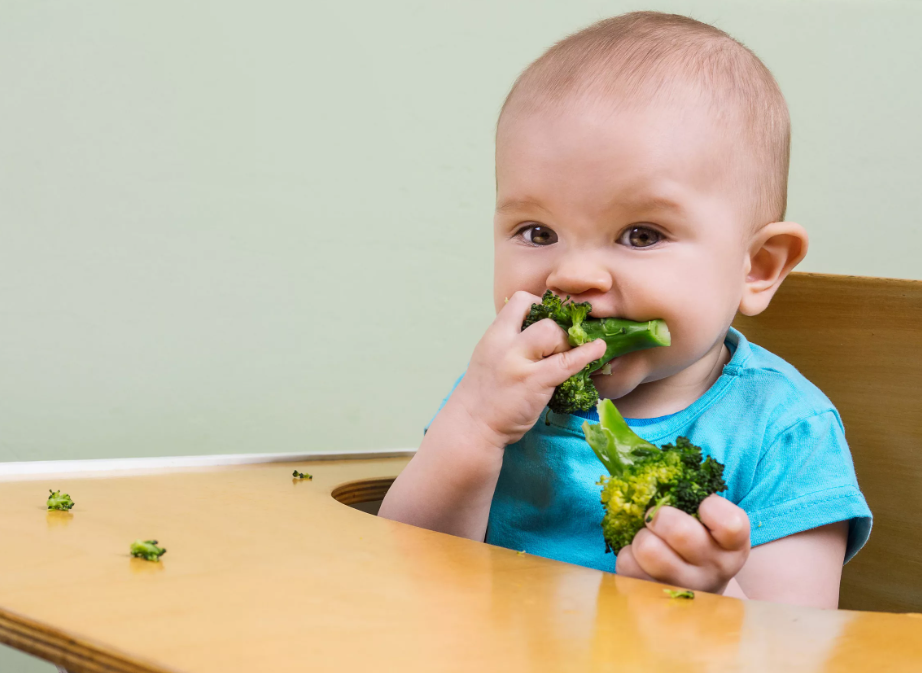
(674, 593)
(147, 550)
(301, 475)
(58, 501)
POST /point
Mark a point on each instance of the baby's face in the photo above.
(633, 211)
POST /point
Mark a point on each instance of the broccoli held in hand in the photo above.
(578, 393)
(58, 501)
(147, 550)
(643, 476)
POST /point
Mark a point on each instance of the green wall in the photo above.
(248, 227)
(259, 227)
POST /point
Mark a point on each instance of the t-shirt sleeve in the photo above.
(444, 402)
(806, 480)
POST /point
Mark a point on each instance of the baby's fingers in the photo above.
(728, 524)
(626, 566)
(510, 318)
(684, 534)
(543, 339)
(556, 369)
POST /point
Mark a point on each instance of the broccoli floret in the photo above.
(147, 549)
(552, 307)
(58, 501)
(301, 475)
(642, 476)
(578, 393)
(675, 593)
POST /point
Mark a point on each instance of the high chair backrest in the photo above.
(859, 340)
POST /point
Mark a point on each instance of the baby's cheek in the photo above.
(511, 274)
(700, 312)
(694, 332)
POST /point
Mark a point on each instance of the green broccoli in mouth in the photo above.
(578, 393)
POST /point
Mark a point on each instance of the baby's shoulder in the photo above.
(765, 385)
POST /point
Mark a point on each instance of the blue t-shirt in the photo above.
(782, 442)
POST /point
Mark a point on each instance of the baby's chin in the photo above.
(622, 379)
(627, 373)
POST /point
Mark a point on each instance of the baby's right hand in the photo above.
(513, 372)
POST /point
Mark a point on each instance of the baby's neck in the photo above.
(676, 392)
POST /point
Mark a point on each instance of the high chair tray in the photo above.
(267, 573)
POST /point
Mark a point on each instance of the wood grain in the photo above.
(860, 340)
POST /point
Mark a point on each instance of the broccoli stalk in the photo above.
(578, 393)
(58, 501)
(643, 476)
(147, 550)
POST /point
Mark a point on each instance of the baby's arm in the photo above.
(713, 554)
(801, 569)
(448, 485)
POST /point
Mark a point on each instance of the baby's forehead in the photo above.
(649, 61)
(683, 120)
(650, 155)
(751, 152)
(664, 94)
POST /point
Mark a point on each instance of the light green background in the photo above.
(266, 226)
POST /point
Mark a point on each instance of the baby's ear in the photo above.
(773, 252)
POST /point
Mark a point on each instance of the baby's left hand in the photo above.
(676, 548)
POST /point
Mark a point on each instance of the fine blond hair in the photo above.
(642, 57)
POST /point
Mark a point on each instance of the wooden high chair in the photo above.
(859, 340)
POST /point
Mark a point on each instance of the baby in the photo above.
(641, 165)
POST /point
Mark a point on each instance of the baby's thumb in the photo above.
(558, 368)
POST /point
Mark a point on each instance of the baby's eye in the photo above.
(538, 235)
(640, 237)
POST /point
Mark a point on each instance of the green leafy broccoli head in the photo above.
(58, 501)
(642, 476)
(552, 307)
(147, 550)
(578, 393)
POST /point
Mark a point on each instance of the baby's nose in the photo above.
(578, 274)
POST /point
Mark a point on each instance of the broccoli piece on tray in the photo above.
(673, 593)
(643, 476)
(58, 501)
(147, 549)
(578, 393)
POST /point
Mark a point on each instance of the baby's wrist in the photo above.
(463, 414)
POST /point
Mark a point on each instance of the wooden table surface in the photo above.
(264, 573)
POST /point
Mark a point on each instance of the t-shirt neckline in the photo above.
(666, 427)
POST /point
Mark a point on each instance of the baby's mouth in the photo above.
(606, 369)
